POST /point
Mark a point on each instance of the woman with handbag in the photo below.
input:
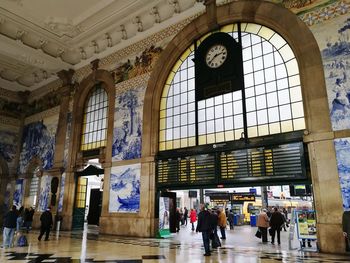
(263, 224)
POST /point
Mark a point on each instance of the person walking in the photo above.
(276, 222)
(177, 219)
(46, 224)
(28, 218)
(193, 217)
(231, 219)
(263, 224)
(185, 215)
(10, 223)
(222, 223)
(204, 227)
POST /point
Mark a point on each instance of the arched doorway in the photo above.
(313, 90)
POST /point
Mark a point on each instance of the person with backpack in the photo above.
(10, 223)
(46, 224)
(204, 226)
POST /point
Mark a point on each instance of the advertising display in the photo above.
(164, 217)
(306, 224)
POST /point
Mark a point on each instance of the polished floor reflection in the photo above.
(186, 246)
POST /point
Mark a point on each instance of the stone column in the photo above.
(327, 195)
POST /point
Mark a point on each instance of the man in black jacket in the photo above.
(204, 226)
(10, 222)
(276, 222)
(46, 224)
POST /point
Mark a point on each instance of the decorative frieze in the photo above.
(41, 115)
(325, 13)
(139, 81)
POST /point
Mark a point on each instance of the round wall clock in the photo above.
(216, 56)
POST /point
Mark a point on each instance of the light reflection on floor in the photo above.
(240, 246)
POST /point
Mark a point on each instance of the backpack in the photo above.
(22, 241)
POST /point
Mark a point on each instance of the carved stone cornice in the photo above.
(52, 86)
(8, 121)
(10, 95)
(107, 62)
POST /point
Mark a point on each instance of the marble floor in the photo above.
(185, 247)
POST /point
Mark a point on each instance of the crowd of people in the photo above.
(269, 222)
(17, 222)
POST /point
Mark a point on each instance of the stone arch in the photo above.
(279, 19)
(80, 96)
(318, 135)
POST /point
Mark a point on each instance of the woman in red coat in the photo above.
(193, 217)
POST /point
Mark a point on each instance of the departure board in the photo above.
(278, 162)
(198, 169)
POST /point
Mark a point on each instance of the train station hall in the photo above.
(142, 131)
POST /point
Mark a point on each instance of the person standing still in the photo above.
(204, 226)
(263, 224)
(276, 222)
(222, 223)
(185, 215)
(46, 224)
(28, 218)
(193, 217)
(10, 223)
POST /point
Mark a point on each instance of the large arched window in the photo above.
(94, 132)
(272, 93)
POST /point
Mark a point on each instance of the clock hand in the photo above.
(215, 56)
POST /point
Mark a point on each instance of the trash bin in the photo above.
(235, 219)
(252, 220)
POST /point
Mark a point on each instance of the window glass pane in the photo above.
(262, 116)
(238, 121)
(210, 113)
(250, 104)
(219, 125)
(228, 109)
(258, 63)
(229, 123)
(283, 96)
(261, 102)
(237, 107)
(251, 118)
(219, 111)
(210, 126)
(273, 114)
(285, 112)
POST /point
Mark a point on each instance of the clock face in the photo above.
(216, 56)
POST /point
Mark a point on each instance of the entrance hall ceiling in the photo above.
(38, 38)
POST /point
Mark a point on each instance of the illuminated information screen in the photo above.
(273, 162)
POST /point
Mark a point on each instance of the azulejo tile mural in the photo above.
(128, 125)
(124, 189)
(38, 141)
(342, 148)
(8, 146)
(44, 192)
(18, 194)
(336, 62)
(60, 199)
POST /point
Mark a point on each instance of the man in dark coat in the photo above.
(46, 224)
(10, 222)
(346, 229)
(204, 226)
(276, 222)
